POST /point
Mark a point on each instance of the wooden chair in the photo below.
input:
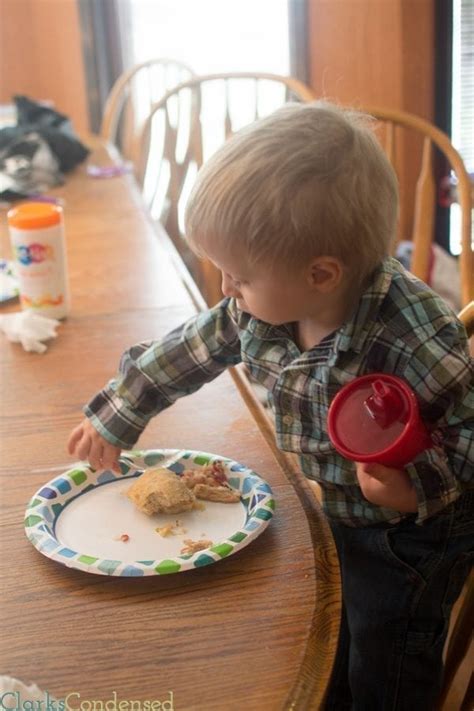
(184, 128)
(458, 645)
(454, 694)
(131, 98)
(418, 207)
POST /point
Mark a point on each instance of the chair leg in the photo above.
(459, 641)
(468, 700)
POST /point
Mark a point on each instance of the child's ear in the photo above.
(325, 274)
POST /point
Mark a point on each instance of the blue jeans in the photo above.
(399, 584)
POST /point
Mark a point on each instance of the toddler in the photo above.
(298, 211)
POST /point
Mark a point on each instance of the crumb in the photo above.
(165, 531)
(123, 537)
(194, 546)
(171, 529)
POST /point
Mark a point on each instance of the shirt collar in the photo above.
(354, 333)
(267, 331)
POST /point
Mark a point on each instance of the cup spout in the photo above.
(385, 405)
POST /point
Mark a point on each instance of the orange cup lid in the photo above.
(34, 215)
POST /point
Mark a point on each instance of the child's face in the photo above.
(273, 294)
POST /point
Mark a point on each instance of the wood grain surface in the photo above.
(256, 631)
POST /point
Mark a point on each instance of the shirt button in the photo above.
(288, 419)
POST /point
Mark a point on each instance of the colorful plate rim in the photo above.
(47, 504)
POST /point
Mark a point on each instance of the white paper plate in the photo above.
(77, 518)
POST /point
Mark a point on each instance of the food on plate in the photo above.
(191, 546)
(171, 529)
(210, 484)
(161, 491)
(124, 537)
(222, 494)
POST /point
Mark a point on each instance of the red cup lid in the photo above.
(370, 414)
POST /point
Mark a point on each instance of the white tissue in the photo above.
(29, 329)
(26, 692)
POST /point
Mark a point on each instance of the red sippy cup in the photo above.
(375, 418)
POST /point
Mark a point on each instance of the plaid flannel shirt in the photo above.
(399, 326)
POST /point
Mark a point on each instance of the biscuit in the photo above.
(161, 491)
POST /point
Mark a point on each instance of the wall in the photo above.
(41, 55)
(379, 53)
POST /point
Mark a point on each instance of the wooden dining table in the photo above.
(255, 631)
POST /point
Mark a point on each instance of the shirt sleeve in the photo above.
(440, 372)
(153, 375)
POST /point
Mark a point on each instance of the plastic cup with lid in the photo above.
(375, 418)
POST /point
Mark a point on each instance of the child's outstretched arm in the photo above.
(152, 376)
(384, 486)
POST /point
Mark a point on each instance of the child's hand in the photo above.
(387, 487)
(86, 443)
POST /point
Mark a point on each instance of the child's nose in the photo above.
(228, 286)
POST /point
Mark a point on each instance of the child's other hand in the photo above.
(387, 487)
(87, 444)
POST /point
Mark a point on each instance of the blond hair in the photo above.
(308, 180)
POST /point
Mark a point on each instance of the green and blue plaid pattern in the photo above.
(399, 326)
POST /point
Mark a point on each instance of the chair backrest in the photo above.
(184, 128)
(422, 138)
(132, 97)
